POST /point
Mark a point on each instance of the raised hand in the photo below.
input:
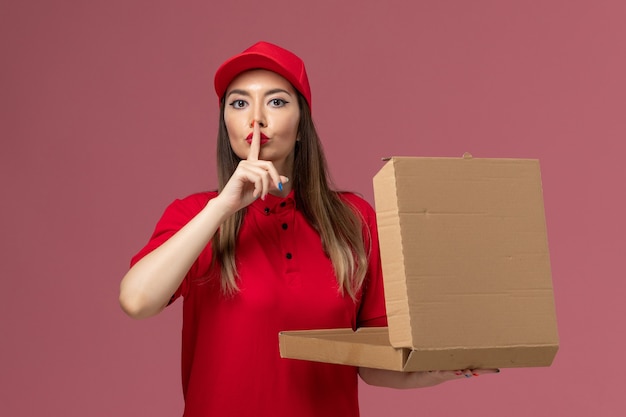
(252, 179)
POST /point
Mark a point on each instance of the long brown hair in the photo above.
(339, 225)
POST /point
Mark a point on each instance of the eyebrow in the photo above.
(269, 93)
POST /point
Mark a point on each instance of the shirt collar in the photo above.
(274, 204)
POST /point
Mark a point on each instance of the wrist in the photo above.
(216, 208)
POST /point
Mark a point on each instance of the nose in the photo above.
(258, 116)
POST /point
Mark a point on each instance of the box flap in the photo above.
(464, 253)
(367, 347)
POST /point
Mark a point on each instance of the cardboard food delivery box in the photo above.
(466, 271)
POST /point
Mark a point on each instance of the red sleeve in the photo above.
(177, 215)
(372, 311)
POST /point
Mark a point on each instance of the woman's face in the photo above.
(270, 100)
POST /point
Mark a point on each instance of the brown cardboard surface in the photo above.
(370, 347)
(367, 347)
(466, 269)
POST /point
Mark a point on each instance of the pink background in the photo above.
(108, 113)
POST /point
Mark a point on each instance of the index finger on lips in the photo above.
(255, 145)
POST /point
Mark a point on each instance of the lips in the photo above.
(264, 138)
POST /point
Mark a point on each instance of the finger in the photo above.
(463, 373)
(469, 373)
(277, 179)
(283, 180)
(265, 183)
(478, 372)
(255, 145)
(257, 174)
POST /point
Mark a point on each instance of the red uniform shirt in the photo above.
(231, 364)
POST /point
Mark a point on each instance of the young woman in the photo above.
(275, 248)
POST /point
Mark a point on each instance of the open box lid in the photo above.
(466, 271)
(464, 254)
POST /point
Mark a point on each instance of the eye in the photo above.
(238, 104)
(277, 102)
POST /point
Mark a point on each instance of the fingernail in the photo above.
(253, 123)
(286, 179)
(458, 373)
(280, 186)
(476, 374)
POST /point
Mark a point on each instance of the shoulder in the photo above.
(176, 215)
(197, 198)
(355, 200)
(190, 205)
(359, 204)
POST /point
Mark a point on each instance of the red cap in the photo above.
(264, 55)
